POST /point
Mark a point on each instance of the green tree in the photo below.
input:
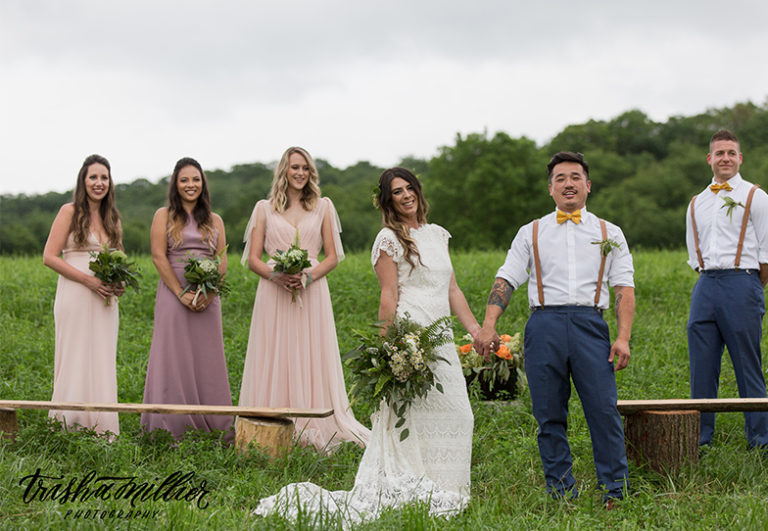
(483, 189)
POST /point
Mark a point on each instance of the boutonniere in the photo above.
(607, 245)
(730, 204)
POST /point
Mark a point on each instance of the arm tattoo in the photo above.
(500, 294)
(618, 303)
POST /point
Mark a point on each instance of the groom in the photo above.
(568, 258)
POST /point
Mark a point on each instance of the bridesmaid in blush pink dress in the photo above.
(86, 328)
(293, 353)
(186, 360)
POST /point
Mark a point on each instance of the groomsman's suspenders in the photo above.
(603, 256)
(744, 221)
(537, 262)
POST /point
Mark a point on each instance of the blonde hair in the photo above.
(278, 197)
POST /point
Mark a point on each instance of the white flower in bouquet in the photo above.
(209, 266)
(415, 352)
(295, 254)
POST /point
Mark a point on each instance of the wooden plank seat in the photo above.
(665, 433)
(269, 428)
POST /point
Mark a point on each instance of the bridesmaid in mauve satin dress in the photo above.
(186, 360)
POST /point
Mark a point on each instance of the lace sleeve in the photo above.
(442, 234)
(386, 241)
(248, 228)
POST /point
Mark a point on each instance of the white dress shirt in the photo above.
(719, 232)
(570, 261)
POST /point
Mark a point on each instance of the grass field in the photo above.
(728, 489)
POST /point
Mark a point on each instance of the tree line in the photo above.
(482, 188)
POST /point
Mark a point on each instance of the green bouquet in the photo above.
(204, 276)
(395, 368)
(112, 267)
(292, 261)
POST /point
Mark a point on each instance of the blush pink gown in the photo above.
(293, 354)
(86, 345)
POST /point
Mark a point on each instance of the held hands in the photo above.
(486, 341)
(619, 354)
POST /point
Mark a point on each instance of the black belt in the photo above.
(566, 308)
(720, 272)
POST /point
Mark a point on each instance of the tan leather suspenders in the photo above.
(603, 256)
(744, 221)
(537, 262)
(744, 224)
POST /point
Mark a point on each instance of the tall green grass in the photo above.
(727, 489)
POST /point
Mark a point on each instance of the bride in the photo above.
(432, 464)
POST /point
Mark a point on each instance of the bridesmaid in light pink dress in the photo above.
(86, 328)
(293, 353)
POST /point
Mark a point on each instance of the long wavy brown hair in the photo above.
(177, 216)
(278, 197)
(110, 217)
(389, 216)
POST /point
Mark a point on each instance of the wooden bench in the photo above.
(270, 428)
(665, 433)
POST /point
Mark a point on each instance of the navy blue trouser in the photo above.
(564, 342)
(727, 308)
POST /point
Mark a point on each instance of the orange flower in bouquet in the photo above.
(504, 352)
(502, 371)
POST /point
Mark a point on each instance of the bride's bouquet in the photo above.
(203, 276)
(292, 261)
(112, 266)
(394, 368)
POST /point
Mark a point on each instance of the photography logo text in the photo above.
(93, 487)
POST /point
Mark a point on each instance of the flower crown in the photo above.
(375, 196)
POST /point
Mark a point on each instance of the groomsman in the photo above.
(568, 258)
(727, 239)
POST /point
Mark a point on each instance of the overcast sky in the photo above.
(147, 82)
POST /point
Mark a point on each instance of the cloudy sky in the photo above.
(145, 82)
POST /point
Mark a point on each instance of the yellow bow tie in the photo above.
(562, 217)
(717, 187)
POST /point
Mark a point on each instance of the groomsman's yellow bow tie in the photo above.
(717, 187)
(562, 217)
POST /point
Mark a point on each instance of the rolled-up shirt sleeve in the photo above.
(518, 261)
(621, 269)
(759, 215)
(690, 242)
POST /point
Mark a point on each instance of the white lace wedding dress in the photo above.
(432, 464)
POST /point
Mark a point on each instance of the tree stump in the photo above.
(8, 423)
(271, 435)
(665, 440)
